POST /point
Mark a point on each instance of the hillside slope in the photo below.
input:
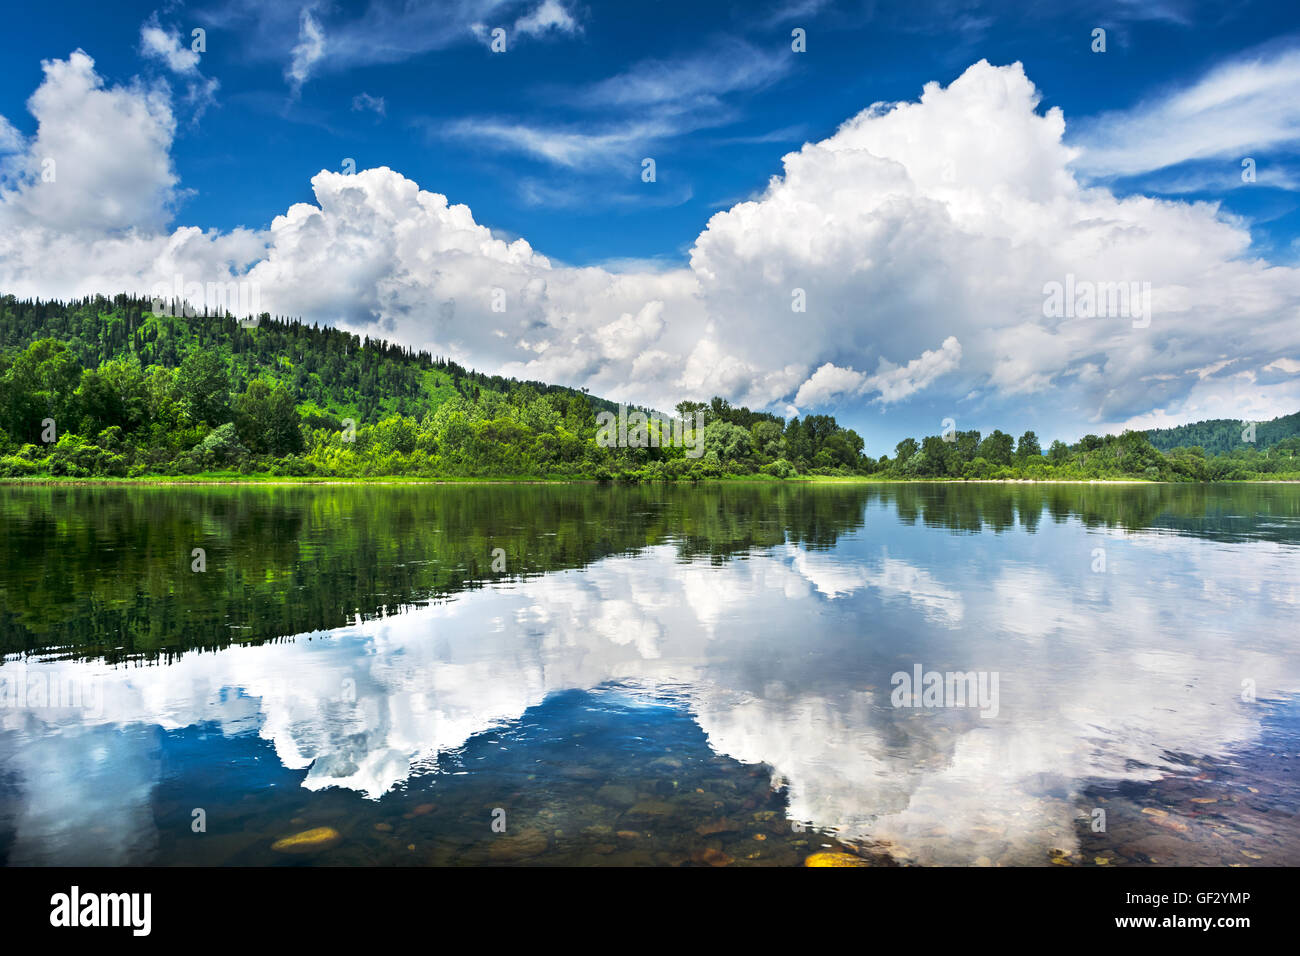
(102, 386)
(1221, 436)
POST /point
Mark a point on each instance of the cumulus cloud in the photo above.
(920, 237)
(67, 180)
(892, 383)
(10, 139)
(76, 218)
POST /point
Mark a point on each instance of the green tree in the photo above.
(1028, 447)
(937, 457)
(266, 420)
(767, 439)
(996, 449)
(203, 387)
(729, 442)
(40, 383)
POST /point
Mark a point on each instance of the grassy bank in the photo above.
(218, 478)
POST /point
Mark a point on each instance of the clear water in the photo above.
(659, 676)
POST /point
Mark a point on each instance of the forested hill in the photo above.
(103, 387)
(350, 375)
(1220, 436)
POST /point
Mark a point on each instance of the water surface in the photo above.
(659, 675)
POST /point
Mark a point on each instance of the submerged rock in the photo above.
(712, 857)
(522, 845)
(318, 838)
(651, 808)
(616, 795)
(835, 859)
(721, 825)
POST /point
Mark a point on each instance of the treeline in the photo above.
(1222, 436)
(102, 387)
(965, 454)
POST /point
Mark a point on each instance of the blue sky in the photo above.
(546, 140)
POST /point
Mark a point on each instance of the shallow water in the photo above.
(660, 676)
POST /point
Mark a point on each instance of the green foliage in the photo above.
(141, 394)
(905, 449)
(203, 387)
(1223, 436)
(1129, 455)
(780, 469)
(135, 394)
(1028, 447)
(266, 420)
(996, 448)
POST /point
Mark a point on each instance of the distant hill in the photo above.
(105, 386)
(332, 370)
(1221, 436)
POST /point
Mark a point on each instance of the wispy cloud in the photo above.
(309, 50)
(165, 46)
(364, 101)
(701, 79)
(638, 110)
(563, 147)
(1238, 109)
(1217, 176)
(317, 37)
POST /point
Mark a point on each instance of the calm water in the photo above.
(658, 676)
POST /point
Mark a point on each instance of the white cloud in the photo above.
(317, 38)
(76, 218)
(1244, 107)
(829, 383)
(564, 147)
(891, 383)
(549, 16)
(936, 221)
(167, 47)
(87, 187)
(10, 139)
(364, 101)
(727, 66)
(652, 101)
(309, 50)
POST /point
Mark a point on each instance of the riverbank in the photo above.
(283, 480)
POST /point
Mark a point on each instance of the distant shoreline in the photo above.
(286, 480)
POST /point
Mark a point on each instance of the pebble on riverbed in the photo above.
(318, 838)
